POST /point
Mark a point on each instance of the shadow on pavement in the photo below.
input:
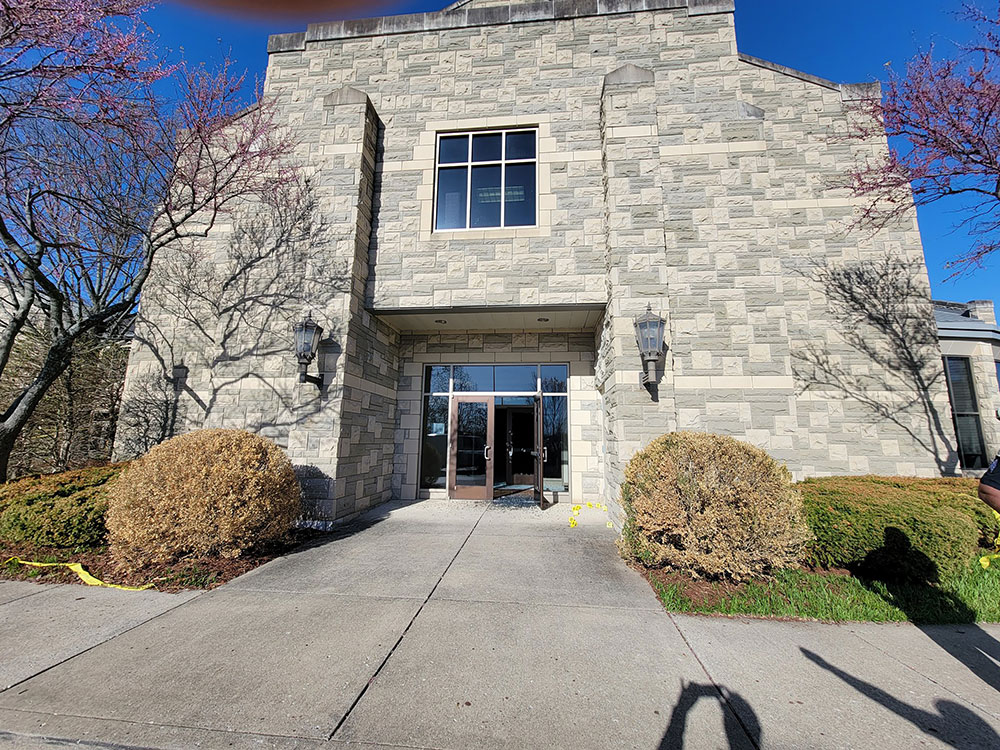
(365, 521)
(739, 720)
(907, 578)
(953, 724)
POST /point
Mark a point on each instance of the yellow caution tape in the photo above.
(79, 570)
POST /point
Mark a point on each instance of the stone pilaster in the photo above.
(636, 272)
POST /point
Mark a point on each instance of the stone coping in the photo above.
(460, 15)
(848, 91)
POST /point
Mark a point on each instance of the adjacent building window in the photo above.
(997, 363)
(965, 410)
(486, 179)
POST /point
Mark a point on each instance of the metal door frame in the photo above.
(455, 491)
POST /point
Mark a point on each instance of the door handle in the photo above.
(545, 454)
(486, 452)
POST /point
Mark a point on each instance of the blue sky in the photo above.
(846, 41)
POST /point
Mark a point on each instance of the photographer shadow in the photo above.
(908, 579)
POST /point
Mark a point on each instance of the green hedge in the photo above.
(57, 510)
(895, 527)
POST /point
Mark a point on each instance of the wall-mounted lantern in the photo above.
(650, 335)
(178, 377)
(307, 337)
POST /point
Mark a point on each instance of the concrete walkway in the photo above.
(457, 625)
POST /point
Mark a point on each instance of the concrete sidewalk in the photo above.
(458, 625)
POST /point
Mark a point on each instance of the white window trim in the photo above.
(468, 164)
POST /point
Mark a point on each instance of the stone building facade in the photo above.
(970, 344)
(629, 157)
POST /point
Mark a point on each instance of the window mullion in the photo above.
(503, 175)
(470, 164)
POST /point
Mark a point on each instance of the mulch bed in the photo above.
(186, 573)
(698, 590)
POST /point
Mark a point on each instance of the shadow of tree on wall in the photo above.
(739, 720)
(882, 320)
(223, 310)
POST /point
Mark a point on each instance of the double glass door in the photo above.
(476, 466)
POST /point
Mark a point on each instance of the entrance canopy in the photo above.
(570, 318)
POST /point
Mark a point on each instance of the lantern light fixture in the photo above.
(178, 377)
(650, 335)
(307, 337)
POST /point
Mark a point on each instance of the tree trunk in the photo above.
(13, 421)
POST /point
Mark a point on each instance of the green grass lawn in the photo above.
(973, 595)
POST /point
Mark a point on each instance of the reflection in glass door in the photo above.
(472, 447)
(493, 431)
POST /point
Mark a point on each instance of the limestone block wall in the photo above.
(501, 347)
(988, 392)
(479, 74)
(636, 272)
(783, 208)
(672, 171)
(234, 339)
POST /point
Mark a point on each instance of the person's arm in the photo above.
(989, 485)
(990, 496)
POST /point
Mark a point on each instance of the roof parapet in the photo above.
(465, 14)
(848, 91)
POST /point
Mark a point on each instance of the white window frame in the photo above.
(469, 164)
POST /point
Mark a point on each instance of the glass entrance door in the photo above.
(472, 447)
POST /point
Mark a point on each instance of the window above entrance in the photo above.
(443, 379)
(486, 179)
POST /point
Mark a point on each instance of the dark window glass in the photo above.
(486, 147)
(964, 408)
(434, 449)
(485, 197)
(451, 197)
(453, 149)
(516, 378)
(521, 145)
(515, 400)
(998, 374)
(436, 378)
(970, 441)
(519, 206)
(474, 378)
(963, 397)
(555, 441)
(477, 188)
(553, 378)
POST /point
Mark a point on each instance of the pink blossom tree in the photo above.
(99, 173)
(945, 115)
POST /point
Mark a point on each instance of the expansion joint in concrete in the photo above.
(727, 706)
(84, 651)
(406, 630)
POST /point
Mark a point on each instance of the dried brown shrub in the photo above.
(210, 492)
(713, 506)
